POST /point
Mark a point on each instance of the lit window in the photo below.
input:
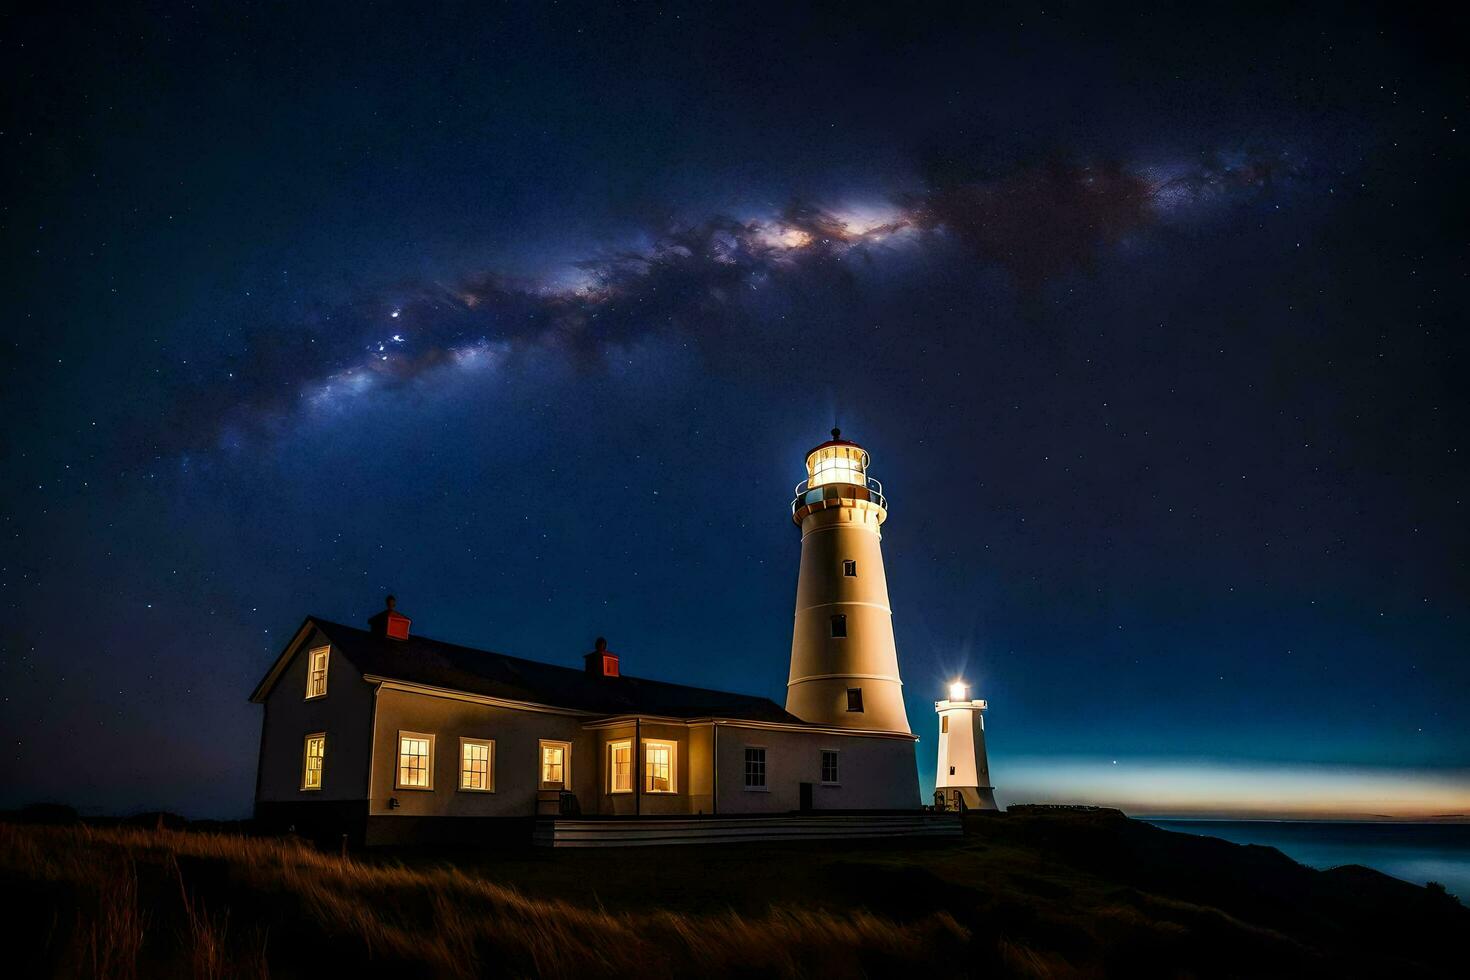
(849, 568)
(839, 625)
(854, 699)
(316, 672)
(620, 767)
(944, 723)
(477, 765)
(415, 761)
(658, 767)
(755, 768)
(313, 761)
(555, 764)
(829, 767)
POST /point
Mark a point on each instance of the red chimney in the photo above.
(601, 662)
(390, 622)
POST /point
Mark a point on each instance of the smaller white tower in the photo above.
(964, 773)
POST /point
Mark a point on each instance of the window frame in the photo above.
(566, 763)
(321, 771)
(765, 772)
(612, 766)
(398, 782)
(855, 700)
(326, 650)
(838, 620)
(944, 724)
(489, 744)
(673, 747)
(836, 779)
(849, 568)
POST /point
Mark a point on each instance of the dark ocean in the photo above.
(1417, 852)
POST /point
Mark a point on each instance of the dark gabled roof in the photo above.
(420, 660)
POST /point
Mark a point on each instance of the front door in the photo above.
(806, 797)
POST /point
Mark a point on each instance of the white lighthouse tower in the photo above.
(844, 665)
(964, 772)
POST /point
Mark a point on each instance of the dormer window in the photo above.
(316, 672)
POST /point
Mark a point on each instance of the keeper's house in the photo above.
(390, 737)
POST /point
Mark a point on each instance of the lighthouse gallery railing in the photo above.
(870, 490)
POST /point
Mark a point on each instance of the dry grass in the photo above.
(1072, 898)
(123, 902)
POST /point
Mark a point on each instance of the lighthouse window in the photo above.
(854, 699)
(849, 568)
(944, 723)
(755, 768)
(839, 625)
(829, 767)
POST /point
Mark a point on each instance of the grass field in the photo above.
(1036, 896)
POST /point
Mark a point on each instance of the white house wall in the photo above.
(875, 773)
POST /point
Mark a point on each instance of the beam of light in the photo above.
(1206, 788)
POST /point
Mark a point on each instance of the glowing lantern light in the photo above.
(837, 464)
(959, 691)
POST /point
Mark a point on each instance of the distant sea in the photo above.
(1417, 852)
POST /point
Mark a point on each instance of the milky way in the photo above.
(1036, 223)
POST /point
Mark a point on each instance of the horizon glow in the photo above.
(1210, 788)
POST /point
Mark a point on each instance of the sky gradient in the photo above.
(1153, 325)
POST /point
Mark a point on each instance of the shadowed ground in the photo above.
(1062, 894)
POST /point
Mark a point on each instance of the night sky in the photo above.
(1154, 326)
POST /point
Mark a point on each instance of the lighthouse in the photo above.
(844, 664)
(964, 772)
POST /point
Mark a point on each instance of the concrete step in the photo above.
(636, 832)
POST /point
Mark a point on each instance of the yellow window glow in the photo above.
(837, 464)
(554, 765)
(658, 767)
(316, 672)
(475, 772)
(415, 761)
(314, 759)
(620, 767)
